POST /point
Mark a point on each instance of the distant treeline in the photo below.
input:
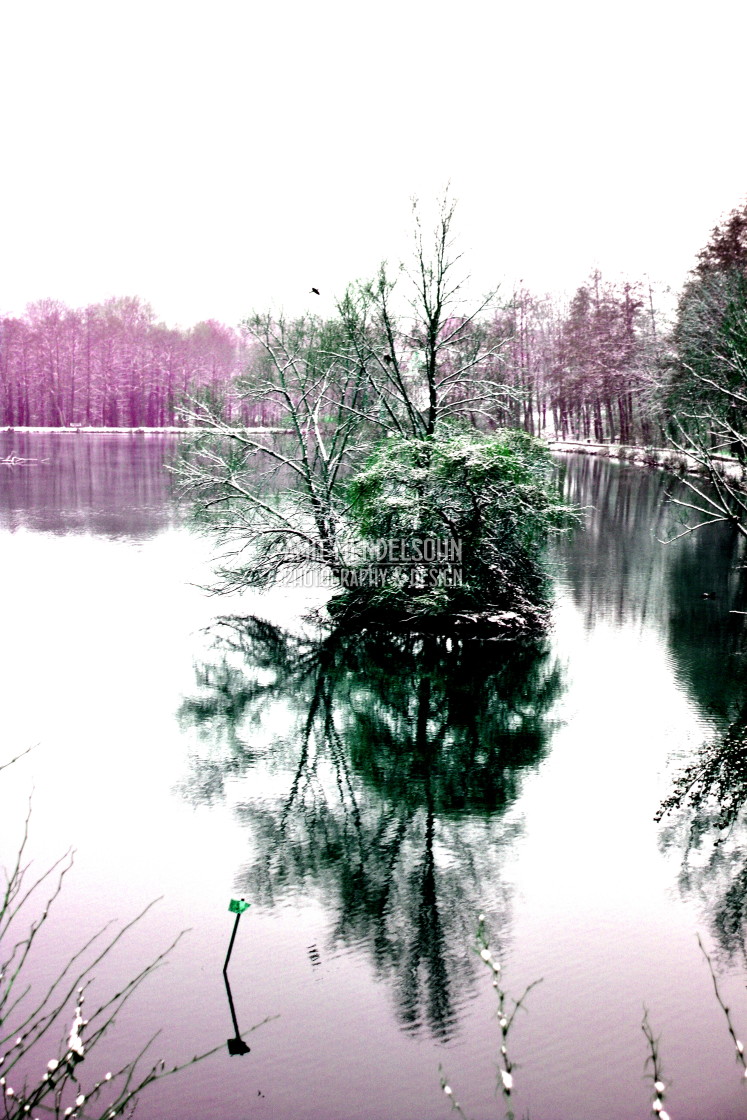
(113, 365)
(589, 368)
(584, 369)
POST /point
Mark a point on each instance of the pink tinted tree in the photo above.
(110, 364)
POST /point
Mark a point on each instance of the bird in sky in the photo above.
(315, 291)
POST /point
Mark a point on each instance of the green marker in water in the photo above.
(236, 906)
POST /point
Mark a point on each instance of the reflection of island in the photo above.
(399, 756)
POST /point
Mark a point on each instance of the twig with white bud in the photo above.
(505, 1014)
(656, 1075)
(738, 1044)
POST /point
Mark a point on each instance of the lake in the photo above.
(370, 798)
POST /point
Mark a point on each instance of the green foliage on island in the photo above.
(484, 503)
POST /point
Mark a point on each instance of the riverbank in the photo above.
(665, 458)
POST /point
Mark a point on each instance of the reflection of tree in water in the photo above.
(706, 638)
(708, 811)
(398, 755)
(620, 571)
(107, 484)
(615, 567)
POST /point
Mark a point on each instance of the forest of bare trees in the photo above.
(587, 369)
(584, 369)
(111, 365)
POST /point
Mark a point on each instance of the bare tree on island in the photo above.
(441, 358)
(393, 378)
(312, 385)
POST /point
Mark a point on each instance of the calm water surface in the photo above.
(370, 798)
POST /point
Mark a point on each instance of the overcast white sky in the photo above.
(218, 157)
